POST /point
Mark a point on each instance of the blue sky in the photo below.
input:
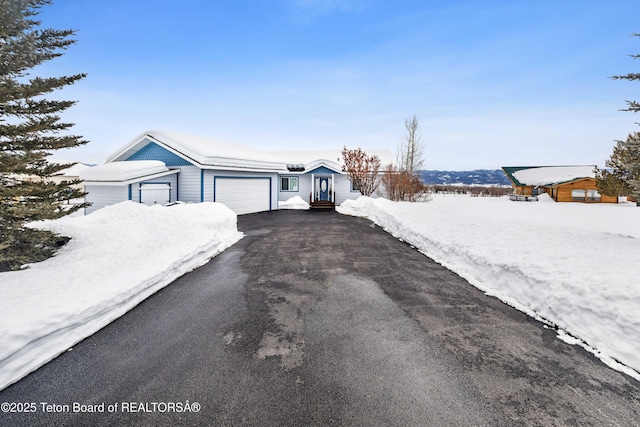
(493, 83)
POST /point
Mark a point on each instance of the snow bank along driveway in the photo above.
(572, 265)
(569, 264)
(117, 257)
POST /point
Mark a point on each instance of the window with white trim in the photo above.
(289, 183)
(593, 196)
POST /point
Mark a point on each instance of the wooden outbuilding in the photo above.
(561, 183)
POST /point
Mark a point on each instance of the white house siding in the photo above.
(189, 182)
(104, 195)
(341, 182)
(304, 188)
(343, 189)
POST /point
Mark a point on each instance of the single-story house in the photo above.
(163, 167)
(562, 183)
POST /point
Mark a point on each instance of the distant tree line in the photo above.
(470, 190)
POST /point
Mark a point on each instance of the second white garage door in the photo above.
(243, 195)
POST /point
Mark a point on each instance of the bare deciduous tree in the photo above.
(411, 148)
(362, 170)
(402, 182)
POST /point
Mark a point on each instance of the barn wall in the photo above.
(523, 190)
(564, 191)
(609, 199)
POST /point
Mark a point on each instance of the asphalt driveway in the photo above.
(315, 318)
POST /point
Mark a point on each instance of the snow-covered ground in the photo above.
(571, 265)
(117, 257)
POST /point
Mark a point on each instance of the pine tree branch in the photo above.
(633, 106)
(630, 76)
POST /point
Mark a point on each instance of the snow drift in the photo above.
(568, 264)
(117, 257)
(294, 202)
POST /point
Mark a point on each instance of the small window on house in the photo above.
(578, 195)
(289, 183)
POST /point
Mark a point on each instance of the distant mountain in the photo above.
(474, 177)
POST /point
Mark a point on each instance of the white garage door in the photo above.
(150, 194)
(243, 195)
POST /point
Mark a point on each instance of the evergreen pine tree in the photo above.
(30, 129)
(632, 105)
(619, 178)
(624, 176)
(632, 165)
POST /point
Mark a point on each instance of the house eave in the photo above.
(199, 160)
(571, 181)
(241, 168)
(310, 167)
(132, 180)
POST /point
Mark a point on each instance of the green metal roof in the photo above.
(548, 175)
(510, 170)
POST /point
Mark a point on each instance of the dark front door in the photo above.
(324, 188)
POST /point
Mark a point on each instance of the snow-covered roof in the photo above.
(203, 151)
(123, 171)
(548, 175)
(70, 171)
(330, 158)
(213, 153)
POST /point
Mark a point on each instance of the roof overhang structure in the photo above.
(308, 160)
(318, 164)
(207, 153)
(122, 173)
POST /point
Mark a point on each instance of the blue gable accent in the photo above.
(322, 170)
(153, 151)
